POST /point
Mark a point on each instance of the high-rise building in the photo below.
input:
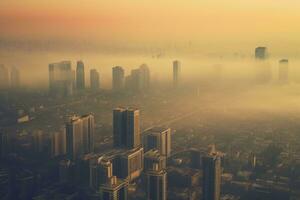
(152, 157)
(176, 72)
(261, 53)
(88, 125)
(74, 137)
(129, 164)
(211, 177)
(95, 79)
(38, 141)
(58, 143)
(283, 71)
(158, 138)
(100, 172)
(118, 75)
(4, 77)
(114, 189)
(126, 128)
(80, 76)
(15, 77)
(144, 77)
(156, 183)
(61, 79)
(4, 145)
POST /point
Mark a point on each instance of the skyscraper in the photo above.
(15, 77)
(126, 128)
(144, 77)
(211, 177)
(129, 164)
(156, 183)
(158, 138)
(38, 140)
(261, 53)
(61, 79)
(152, 157)
(114, 189)
(95, 79)
(4, 77)
(4, 145)
(88, 126)
(176, 72)
(283, 71)
(74, 137)
(58, 143)
(80, 76)
(118, 75)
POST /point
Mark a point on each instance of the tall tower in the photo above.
(15, 77)
(261, 53)
(211, 177)
(158, 138)
(114, 189)
(80, 76)
(176, 72)
(4, 145)
(156, 183)
(4, 77)
(118, 75)
(95, 79)
(74, 138)
(126, 128)
(58, 143)
(144, 77)
(283, 71)
(88, 125)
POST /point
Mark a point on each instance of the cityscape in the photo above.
(136, 120)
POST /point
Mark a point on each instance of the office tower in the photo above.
(95, 79)
(176, 72)
(4, 145)
(129, 164)
(15, 77)
(144, 77)
(101, 172)
(118, 78)
(135, 83)
(152, 157)
(74, 135)
(261, 53)
(58, 143)
(61, 79)
(88, 125)
(4, 77)
(114, 189)
(283, 71)
(38, 141)
(156, 183)
(158, 138)
(211, 177)
(126, 128)
(80, 79)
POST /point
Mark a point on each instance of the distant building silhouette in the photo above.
(158, 138)
(261, 53)
(176, 73)
(4, 77)
(61, 79)
(283, 71)
(95, 79)
(4, 145)
(139, 79)
(15, 77)
(58, 143)
(126, 128)
(118, 74)
(211, 177)
(80, 76)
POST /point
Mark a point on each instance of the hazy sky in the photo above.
(216, 23)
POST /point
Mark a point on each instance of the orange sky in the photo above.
(272, 22)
